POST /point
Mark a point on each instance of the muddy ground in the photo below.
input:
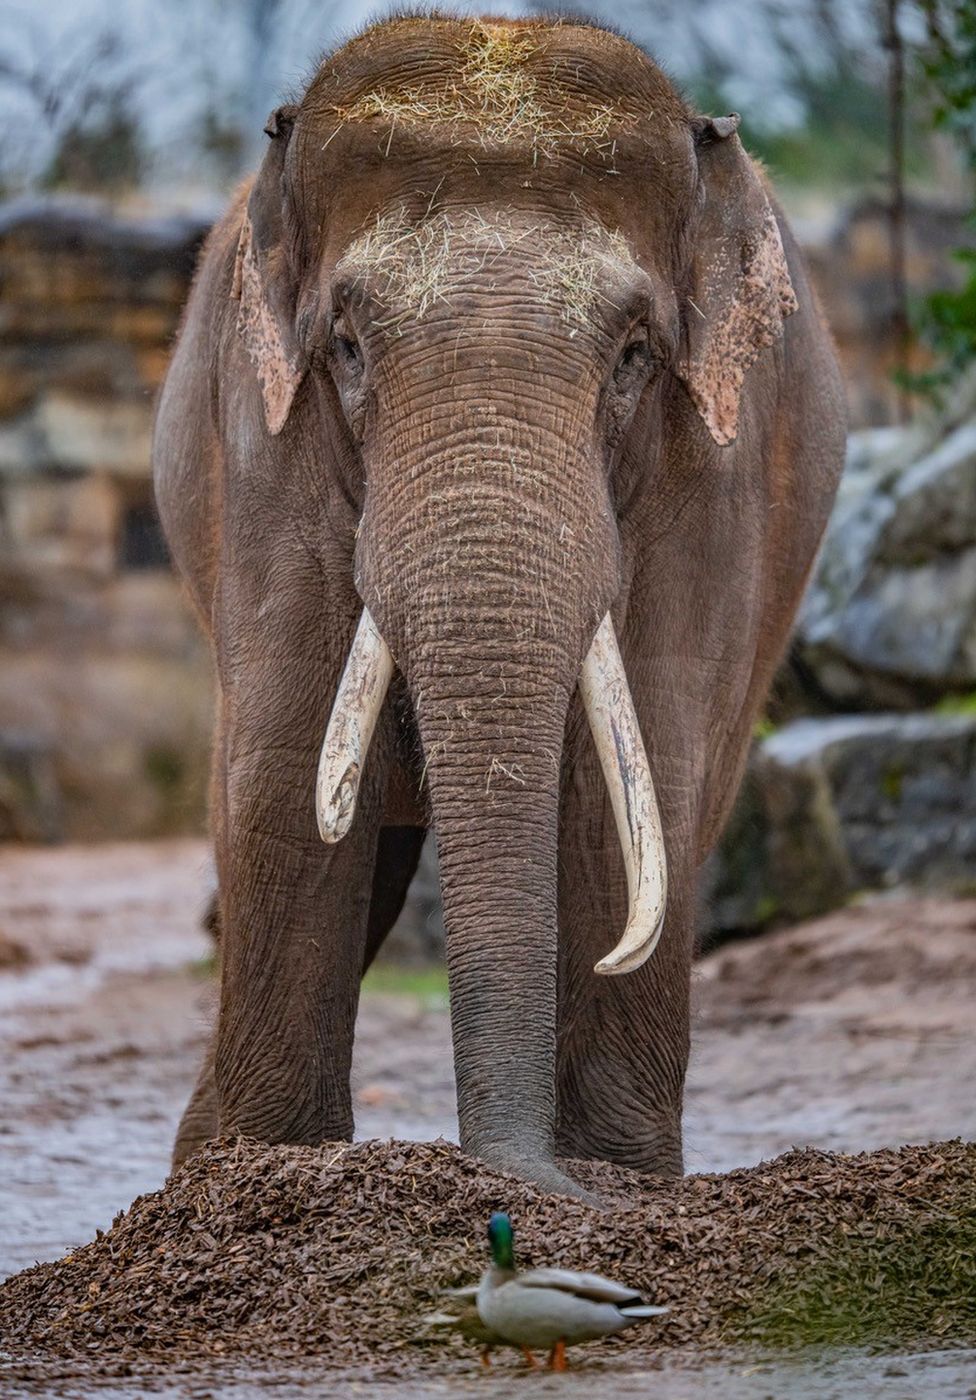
(849, 1033)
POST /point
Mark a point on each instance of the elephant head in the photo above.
(483, 273)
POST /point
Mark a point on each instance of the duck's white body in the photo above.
(542, 1307)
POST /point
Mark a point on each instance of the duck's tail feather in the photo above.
(639, 1312)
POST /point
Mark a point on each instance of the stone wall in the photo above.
(104, 683)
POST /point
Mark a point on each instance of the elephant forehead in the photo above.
(492, 93)
(411, 267)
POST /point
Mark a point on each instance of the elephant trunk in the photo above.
(492, 747)
(483, 601)
(486, 564)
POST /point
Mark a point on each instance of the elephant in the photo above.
(495, 450)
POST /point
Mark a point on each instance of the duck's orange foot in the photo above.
(486, 1358)
(557, 1357)
(530, 1359)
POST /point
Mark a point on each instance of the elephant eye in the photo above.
(348, 351)
(344, 347)
(636, 359)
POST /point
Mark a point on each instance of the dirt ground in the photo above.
(848, 1033)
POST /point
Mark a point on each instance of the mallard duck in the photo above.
(550, 1308)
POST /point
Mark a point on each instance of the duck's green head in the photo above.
(501, 1237)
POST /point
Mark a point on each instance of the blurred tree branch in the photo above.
(946, 320)
(901, 330)
(83, 89)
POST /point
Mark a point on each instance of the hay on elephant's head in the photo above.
(495, 98)
(410, 266)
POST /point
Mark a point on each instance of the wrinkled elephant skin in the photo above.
(501, 340)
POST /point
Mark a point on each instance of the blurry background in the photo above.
(127, 123)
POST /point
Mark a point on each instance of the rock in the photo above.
(71, 266)
(124, 738)
(890, 617)
(55, 523)
(832, 807)
(71, 433)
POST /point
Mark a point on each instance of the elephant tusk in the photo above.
(358, 702)
(610, 711)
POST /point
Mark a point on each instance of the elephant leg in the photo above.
(398, 854)
(623, 1040)
(294, 911)
(199, 1121)
(397, 858)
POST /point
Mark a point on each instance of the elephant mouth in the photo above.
(613, 723)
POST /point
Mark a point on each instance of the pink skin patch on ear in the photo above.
(740, 325)
(277, 375)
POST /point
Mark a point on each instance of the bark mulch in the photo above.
(339, 1250)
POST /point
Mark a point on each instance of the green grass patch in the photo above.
(426, 984)
(767, 908)
(205, 967)
(915, 1286)
(892, 782)
(963, 704)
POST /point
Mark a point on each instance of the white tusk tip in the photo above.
(628, 959)
(334, 815)
(613, 720)
(355, 710)
(608, 967)
(332, 828)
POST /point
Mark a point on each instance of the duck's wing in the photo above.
(594, 1287)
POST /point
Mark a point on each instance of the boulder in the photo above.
(108, 743)
(890, 618)
(832, 807)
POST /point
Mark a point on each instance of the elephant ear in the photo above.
(741, 288)
(264, 286)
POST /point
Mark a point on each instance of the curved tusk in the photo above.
(610, 711)
(358, 702)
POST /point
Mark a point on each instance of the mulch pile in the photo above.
(339, 1250)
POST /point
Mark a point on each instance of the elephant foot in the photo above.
(654, 1148)
(540, 1172)
(199, 1122)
